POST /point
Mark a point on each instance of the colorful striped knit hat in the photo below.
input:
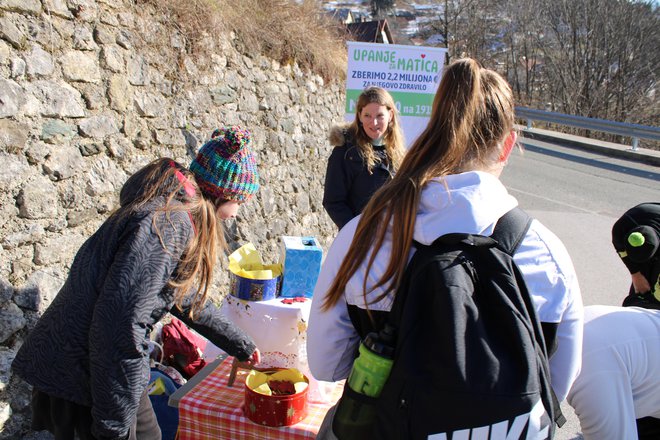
(225, 168)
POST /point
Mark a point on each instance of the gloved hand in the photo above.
(645, 300)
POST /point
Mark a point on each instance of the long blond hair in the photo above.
(166, 179)
(393, 137)
(472, 114)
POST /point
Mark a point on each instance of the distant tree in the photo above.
(478, 29)
(596, 58)
(452, 14)
(381, 8)
(601, 56)
(520, 56)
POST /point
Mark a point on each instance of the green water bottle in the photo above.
(354, 418)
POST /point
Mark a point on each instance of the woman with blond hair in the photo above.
(448, 182)
(87, 358)
(366, 154)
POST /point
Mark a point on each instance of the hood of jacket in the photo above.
(340, 134)
(469, 202)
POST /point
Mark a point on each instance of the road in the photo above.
(579, 195)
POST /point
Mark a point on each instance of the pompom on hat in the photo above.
(225, 167)
(642, 243)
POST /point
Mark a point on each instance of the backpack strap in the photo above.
(394, 316)
(511, 229)
(509, 232)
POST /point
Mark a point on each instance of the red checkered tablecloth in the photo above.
(213, 410)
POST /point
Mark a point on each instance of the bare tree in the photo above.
(478, 25)
(520, 57)
(633, 75)
(452, 14)
(600, 55)
(596, 58)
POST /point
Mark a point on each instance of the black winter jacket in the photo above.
(348, 183)
(91, 346)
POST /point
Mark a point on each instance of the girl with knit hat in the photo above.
(87, 358)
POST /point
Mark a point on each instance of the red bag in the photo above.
(182, 348)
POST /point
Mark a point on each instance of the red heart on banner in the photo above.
(423, 55)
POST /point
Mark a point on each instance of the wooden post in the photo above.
(235, 365)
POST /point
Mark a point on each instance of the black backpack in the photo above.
(470, 359)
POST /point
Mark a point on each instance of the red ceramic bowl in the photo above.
(275, 410)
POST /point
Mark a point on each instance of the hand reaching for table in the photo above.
(255, 357)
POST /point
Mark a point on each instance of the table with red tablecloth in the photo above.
(213, 410)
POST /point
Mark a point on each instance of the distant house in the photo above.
(343, 15)
(371, 32)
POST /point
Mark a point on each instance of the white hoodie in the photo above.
(619, 381)
(472, 203)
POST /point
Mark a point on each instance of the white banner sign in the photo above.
(411, 74)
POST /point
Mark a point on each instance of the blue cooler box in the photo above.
(301, 261)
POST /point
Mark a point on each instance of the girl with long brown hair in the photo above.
(366, 154)
(448, 182)
(88, 355)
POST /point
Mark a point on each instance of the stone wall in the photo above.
(90, 91)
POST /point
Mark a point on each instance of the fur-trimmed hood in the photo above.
(339, 134)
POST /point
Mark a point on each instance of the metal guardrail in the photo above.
(634, 131)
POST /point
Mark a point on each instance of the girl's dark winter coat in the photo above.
(91, 345)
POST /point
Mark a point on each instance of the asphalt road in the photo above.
(579, 195)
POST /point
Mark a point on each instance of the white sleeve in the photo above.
(331, 338)
(566, 362)
(553, 286)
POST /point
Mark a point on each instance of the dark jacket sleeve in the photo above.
(644, 214)
(337, 187)
(211, 323)
(118, 336)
